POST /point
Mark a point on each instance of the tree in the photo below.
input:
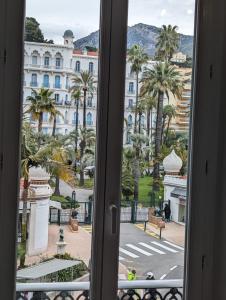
(167, 42)
(54, 113)
(169, 112)
(84, 82)
(41, 101)
(29, 158)
(77, 96)
(33, 32)
(161, 80)
(85, 153)
(137, 57)
(138, 142)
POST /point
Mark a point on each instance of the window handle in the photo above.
(114, 211)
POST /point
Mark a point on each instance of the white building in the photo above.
(53, 66)
(175, 187)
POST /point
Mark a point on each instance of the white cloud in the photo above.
(82, 16)
(163, 12)
(190, 12)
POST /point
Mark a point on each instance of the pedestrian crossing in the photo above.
(148, 249)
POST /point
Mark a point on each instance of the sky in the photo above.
(82, 16)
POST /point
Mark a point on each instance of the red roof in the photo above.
(90, 53)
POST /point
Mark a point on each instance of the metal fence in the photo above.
(130, 213)
(127, 290)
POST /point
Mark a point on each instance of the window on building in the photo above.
(46, 61)
(34, 60)
(130, 103)
(89, 101)
(57, 97)
(66, 131)
(45, 117)
(142, 121)
(131, 87)
(75, 117)
(128, 138)
(67, 83)
(66, 117)
(34, 82)
(57, 82)
(77, 66)
(91, 67)
(58, 119)
(89, 119)
(46, 81)
(130, 120)
(58, 62)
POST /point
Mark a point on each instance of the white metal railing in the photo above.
(80, 286)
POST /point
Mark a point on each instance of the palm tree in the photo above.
(29, 159)
(54, 113)
(167, 42)
(169, 111)
(85, 82)
(77, 96)
(137, 57)
(159, 81)
(41, 101)
(138, 141)
(85, 155)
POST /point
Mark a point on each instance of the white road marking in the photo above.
(128, 253)
(171, 244)
(139, 250)
(121, 258)
(173, 268)
(152, 248)
(163, 276)
(165, 247)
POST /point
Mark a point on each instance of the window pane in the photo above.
(59, 136)
(155, 151)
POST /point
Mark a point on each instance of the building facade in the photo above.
(53, 66)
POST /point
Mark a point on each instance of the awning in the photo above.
(55, 204)
(46, 268)
(179, 193)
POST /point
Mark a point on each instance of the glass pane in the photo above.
(155, 150)
(58, 144)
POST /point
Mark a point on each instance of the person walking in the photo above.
(167, 212)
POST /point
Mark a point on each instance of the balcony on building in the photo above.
(46, 85)
(59, 102)
(67, 102)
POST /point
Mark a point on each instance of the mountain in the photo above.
(142, 34)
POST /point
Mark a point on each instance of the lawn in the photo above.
(145, 184)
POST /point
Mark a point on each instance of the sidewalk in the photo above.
(173, 232)
(78, 246)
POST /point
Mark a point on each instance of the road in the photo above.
(145, 253)
(82, 195)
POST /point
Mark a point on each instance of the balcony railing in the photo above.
(131, 92)
(46, 85)
(132, 290)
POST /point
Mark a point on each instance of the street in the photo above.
(144, 253)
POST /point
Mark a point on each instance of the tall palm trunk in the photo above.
(81, 173)
(76, 127)
(84, 108)
(136, 176)
(137, 86)
(151, 137)
(163, 127)
(40, 121)
(148, 134)
(158, 134)
(139, 123)
(54, 126)
(167, 130)
(57, 186)
(24, 223)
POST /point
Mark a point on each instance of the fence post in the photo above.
(59, 212)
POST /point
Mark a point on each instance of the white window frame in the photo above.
(206, 239)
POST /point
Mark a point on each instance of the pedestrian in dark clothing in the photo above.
(167, 212)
